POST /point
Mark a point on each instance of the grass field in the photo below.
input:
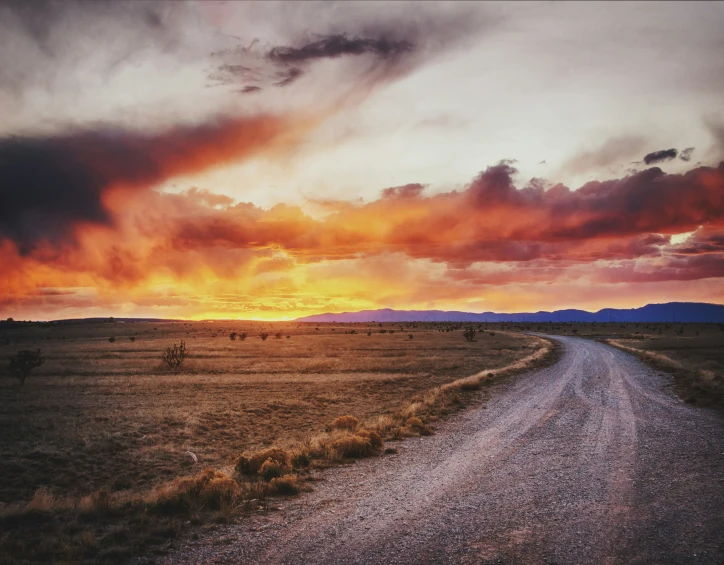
(103, 418)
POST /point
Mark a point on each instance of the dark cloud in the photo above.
(660, 156)
(249, 90)
(50, 184)
(685, 155)
(407, 191)
(337, 45)
(377, 47)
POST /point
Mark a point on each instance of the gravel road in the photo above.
(591, 461)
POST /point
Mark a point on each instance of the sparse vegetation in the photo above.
(23, 362)
(175, 356)
(469, 334)
(101, 437)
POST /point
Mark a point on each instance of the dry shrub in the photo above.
(373, 437)
(418, 426)
(271, 469)
(300, 460)
(186, 494)
(345, 423)
(286, 485)
(252, 464)
(381, 424)
(220, 492)
(469, 385)
(350, 446)
(43, 502)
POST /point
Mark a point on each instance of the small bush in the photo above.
(219, 492)
(242, 336)
(251, 465)
(300, 460)
(131, 338)
(271, 469)
(349, 446)
(23, 362)
(232, 336)
(112, 339)
(415, 424)
(469, 334)
(263, 336)
(373, 437)
(186, 494)
(345, 423)
(175, 356)
(278, 335)
(287, 485)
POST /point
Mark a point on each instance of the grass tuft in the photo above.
(345, 423)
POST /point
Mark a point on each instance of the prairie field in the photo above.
(105, 415)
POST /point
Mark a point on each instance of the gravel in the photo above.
(592, 460)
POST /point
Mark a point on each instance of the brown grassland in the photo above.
(97, 449)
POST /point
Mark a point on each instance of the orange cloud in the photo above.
(198, 254)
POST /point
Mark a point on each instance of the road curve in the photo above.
(591, 461)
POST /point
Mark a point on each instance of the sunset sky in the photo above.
(275, 160)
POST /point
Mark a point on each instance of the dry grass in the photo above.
(101, 431)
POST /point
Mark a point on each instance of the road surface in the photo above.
(590, 461)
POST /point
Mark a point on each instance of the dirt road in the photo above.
(591, 461)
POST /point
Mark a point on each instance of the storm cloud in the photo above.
(660, 156)
(50, 184)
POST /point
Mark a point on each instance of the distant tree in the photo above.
(175, 356)
(23, 362)
(10, 320)
(469, 334)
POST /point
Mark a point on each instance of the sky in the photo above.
(271, 160)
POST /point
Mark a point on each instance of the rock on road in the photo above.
(590, 461)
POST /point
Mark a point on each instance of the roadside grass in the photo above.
(692, 353)
(695, 362)
(94, 449)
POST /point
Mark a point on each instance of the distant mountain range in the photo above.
(670, 312)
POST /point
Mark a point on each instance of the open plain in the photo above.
(104, 419)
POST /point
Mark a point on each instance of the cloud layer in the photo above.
(488, 235)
